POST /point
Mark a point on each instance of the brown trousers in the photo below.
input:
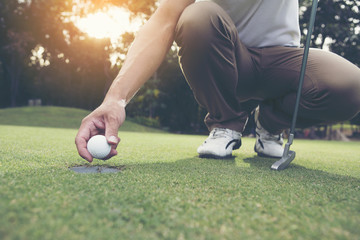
(230, 79)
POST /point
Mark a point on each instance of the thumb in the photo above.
(111, 131)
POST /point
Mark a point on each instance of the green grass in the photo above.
(56, 117)
(165, 192)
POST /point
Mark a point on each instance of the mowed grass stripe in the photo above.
(56, 117)
(166, 192)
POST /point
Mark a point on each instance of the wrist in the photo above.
(119, 92)
(114, 96)
(122, 103)
(115, 101)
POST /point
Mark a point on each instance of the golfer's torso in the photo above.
(263, 23)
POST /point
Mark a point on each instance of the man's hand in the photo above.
(105, 120)
(148, 51)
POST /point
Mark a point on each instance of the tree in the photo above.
(23, 26)
(338, 22)
(15, 42)
(138, 7)
(28, 25)
(74, 70)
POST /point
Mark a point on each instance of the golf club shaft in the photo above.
(288, 155)
(303, 65)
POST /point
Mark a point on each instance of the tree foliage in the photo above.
(138, 7)
(337, 21)
(44, 55)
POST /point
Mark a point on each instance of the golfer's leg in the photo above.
(208, 53)
(331, 93)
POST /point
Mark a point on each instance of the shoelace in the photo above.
(268, 136)
(220, 133)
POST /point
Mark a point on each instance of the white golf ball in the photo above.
(98, 147)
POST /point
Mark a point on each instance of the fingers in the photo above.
(112, 153)
(81, 140)
(104, 120)
(87, 129)
(81, 145)
(112, 124)
(100, 125)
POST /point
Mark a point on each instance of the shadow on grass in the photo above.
(195, 169)
(261, 162)
(257, 162)
(257, 167)
(254, 162)
(86, 169)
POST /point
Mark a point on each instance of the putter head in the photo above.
(284, 161)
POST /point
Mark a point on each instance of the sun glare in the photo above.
(110, 24)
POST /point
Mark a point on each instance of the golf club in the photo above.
(289, 155)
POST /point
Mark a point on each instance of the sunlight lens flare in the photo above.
(110, 24)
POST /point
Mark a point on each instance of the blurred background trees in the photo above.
(44, 55)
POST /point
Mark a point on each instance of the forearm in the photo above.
(143, 58)
(146, 53)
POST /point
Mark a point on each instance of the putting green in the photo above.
(164, 191)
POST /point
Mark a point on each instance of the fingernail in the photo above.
(113, 139)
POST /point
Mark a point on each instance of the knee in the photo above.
(337, 81)
(352, 93)
(196, 22)
(345, 96)
(349, 89)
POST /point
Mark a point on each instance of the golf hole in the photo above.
(95, 169)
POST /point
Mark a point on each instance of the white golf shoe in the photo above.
(220, 143)
(267, 144)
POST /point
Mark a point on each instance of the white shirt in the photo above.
(264, 23)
